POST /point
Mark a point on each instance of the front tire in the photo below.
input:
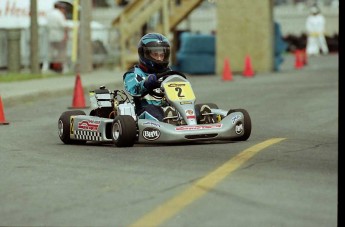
(124, 131)
(247, 124)
(64, 126)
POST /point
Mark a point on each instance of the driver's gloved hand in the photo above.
(151, 82)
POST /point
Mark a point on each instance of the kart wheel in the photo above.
(245, 125)
(64, 126)
(209, 119)
(124, 131)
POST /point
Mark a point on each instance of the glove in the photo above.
(151, 82)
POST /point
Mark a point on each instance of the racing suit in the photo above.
(146, 106)
(315, 26)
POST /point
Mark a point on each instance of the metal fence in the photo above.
(105, 47)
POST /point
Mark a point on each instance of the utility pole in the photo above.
(34, 49)
(85, 44)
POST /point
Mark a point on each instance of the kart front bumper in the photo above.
(231, 127)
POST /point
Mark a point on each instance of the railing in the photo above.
(117, 45)
(106, 48)
(142, 16)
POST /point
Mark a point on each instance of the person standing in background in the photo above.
(315, 26)
(280, 46)
(57, 36)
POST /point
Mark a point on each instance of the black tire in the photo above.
(64, 126)
(211, 105)
(247, 122)
(124, 131)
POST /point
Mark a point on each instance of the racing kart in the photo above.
(113, 118)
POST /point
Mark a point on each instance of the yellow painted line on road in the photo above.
(174, 205)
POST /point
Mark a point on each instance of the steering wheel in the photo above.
(158, 93)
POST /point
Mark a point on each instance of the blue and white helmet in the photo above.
(154, 43)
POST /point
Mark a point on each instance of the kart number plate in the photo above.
(178, 91)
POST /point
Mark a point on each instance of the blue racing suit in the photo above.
(146, 106)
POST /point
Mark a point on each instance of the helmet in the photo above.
(59, 4)
(314, 10)
(151, 43)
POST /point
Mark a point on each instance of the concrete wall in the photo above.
(244, 27)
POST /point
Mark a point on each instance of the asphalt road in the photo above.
(292, 182)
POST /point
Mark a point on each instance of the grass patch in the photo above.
(12, 77)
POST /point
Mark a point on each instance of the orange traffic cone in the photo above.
(227, 74)
(298, 59)
(248, 69)
(78, 96)
(2, 115)
(304, 57)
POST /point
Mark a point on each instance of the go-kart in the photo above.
(113, 118)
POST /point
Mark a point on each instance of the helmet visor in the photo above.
(157, 54)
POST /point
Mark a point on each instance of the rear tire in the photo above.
(247, 124)
(64, 126)
(124, 131)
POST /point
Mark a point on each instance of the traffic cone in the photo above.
(227, 74)
(248, 69)
(304, 57)
(78, 96)
(2, 115)
(298, 59)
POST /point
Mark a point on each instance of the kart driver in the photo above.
(154, 53)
